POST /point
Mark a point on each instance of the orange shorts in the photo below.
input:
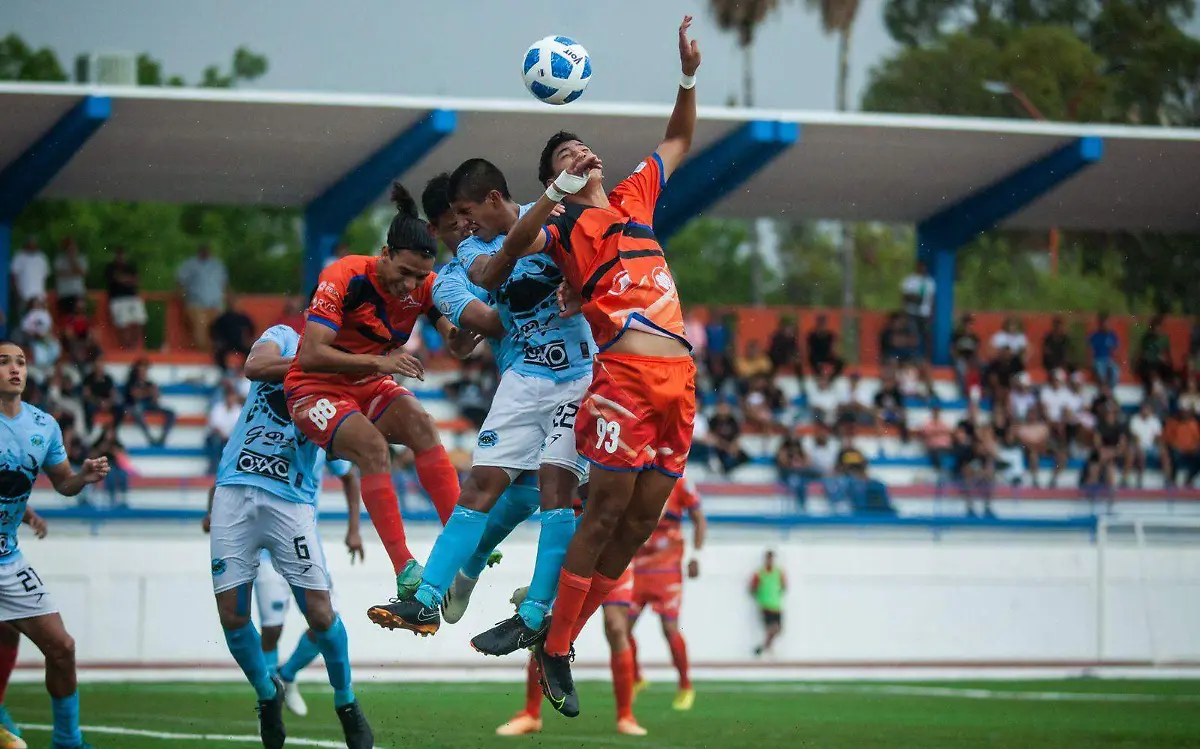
(622, 595)
(638, 413)
(661, 591)
(318, 409)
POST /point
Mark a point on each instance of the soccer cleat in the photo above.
(629, 726)
(411, 615)
(494, 558)
(640, 686)
(454, 605)
(509, 636)
(557, 684)
(292, 699)
(9, 740)
(8, 723)
(522, 723)
(684, 699)
(270, 718)
(357, 731)
(409, 580)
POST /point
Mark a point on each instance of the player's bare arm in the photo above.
(69, 483)
(317, 354)
(460, 342)
(36, 523)
(206, 522)
(699, 533)
(353, 491)
(266, 362)
(482, 319)
(479, 268)
(682, 125)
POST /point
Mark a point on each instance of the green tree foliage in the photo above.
(20, 62)
(710, 259)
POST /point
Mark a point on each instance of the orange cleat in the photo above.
(521, 724)
(629, 726)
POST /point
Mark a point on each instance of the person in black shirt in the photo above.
(1110, 441)
(100, 394)
(726, 431)
(143, 397)
(965, 351)
(784, 348)
(889, 405)
(125, 303)
(822, 348)
(231, 333)
(1056, 348)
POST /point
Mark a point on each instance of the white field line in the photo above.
(118, 731)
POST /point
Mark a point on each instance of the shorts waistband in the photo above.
(608, 356)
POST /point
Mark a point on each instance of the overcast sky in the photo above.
(455, 47)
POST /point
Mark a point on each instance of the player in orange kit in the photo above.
(340, 390)
(658, 581)
(635, 423)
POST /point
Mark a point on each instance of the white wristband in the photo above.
(687, 81)
(555, 194)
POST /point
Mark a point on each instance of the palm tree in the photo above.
(743, 17)
(837, 17)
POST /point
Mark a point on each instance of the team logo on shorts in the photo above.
(662, 279)
(488, 439)
(218, 566)
(268, 466)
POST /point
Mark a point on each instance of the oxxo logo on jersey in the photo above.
(268, 466)
(551, 355)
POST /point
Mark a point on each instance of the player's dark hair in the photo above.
(435, 200)
(408, 231)
(475, 178)
(545, 165)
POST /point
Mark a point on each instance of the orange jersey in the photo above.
(663, 552)
(352, 301)
(611, 257)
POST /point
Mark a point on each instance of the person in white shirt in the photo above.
(70, 275)
(823, 454)
(29, 269)
(918, 289)
(222, 420)
(826, 398)
(1146, 429)
(1021, 399)
(859, 404)
(37, 322)
(1012, 338)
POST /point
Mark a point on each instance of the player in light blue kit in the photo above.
(31, 441)
(265, 498)
(530, 426)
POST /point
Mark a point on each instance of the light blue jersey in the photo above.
(551, 347)
(453, 291)
(265, 450)
(28, 443)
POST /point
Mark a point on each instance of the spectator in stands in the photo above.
(753, 363)
(916, 382)
(938, 438)
(1189, 399)
(222, 420)
(784, 348)
(1154, 355)
(858, 404)
(1182, 437)
(999, 373)
(726, 433)
(721, 376)
(45, 354)
(1011, 338)
(825, 397)
(1145, 444)
(1021, 398)
(718, 332)
(63, 399)
(36, 323)
(974, 461)
(1056, 347)
(142, 398)
(889, 405)
(1008, 451)
(824, 453)
(125, 301)
(70, 274)
(292, 314)
(1032, 434)
(702, 449)
(964, 348)
(918, 290)
(100, 395)
(116, 483)
(78, 341)
(232, 332)
(202, 279)
(1110, 444)
(866, 496)
(1104, 345)
(795, 469)
(899, 342)
(1082, 420)
(763, 404)
(474, 389)
(821, 343)
(30, 269)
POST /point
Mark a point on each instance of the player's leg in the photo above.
(10, 641)
(49, 635)
(635, 612)
(686, 696)
(616, 631)
(305, 652)
(529, 720)
(271, 594)
(402, 420)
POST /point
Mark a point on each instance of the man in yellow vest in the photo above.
(768, 586)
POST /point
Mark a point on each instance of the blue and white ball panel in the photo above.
(557, 69)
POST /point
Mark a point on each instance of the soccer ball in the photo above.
(557, 69)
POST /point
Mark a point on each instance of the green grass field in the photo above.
(1081, 714)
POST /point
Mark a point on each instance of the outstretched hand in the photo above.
(94, 470)
(462, 342)
(689, 50)
(584, 162)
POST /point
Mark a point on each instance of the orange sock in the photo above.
(379, 497)
(572, 591)
(622, 676)
(600, 588)
(680, 658)
(637, 667)
(533, 690)
(439, 480)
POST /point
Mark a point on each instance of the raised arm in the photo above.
(266, 362)
(682, 125)
(526, 238)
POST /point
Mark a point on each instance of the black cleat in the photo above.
(355, 727)
(411, 615)
(270, 718)
(557, 684)
(509, 636)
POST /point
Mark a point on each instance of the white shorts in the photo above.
(22, 594)
(127, 310)
(271, 592)
(245, 520)
(532, 422)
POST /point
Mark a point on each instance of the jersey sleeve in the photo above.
(452, 294)
(327, 307)
(637, 194)
(688, 496)
(470, 250)
(283, 337)
(56, 452)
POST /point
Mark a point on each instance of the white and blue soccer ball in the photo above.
(557, 69)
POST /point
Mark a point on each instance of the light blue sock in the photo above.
(305, 653)
(453, 548)
(514, 507)
(558, 526)
(66, 721)
(272, 659)
(335, 648)
(246, 647)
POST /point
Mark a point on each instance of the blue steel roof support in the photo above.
(940, 235)
(327, 216)
(719, 170)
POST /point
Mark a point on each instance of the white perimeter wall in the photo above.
(1028, 599)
